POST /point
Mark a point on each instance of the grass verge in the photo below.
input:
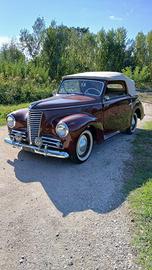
(5, 109)
(140, 198)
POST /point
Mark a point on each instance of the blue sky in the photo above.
(134, 15)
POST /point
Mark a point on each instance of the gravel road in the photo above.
(56, 215)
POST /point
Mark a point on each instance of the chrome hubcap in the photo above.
(82, 145)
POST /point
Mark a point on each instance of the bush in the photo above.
(140, 76)
(17, 90)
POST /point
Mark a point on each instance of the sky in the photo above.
(134, 15)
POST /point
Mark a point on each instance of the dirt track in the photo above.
(57, 215)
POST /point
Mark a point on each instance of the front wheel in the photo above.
(83, 147)
(133, 124)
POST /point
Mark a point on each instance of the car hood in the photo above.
(61, 101)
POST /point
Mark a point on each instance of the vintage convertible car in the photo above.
(88, 107)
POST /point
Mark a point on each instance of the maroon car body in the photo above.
(67, 124)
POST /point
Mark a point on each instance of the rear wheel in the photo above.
(83, 147)
(133, 124)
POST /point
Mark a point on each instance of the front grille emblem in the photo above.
(38, 141)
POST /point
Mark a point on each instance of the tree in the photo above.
(79, 54)
(149, 52)
(140, 50)
(56, 39)
(110, 49)
(11, 53)
(31, 43)
(101, 50)
(129, 59)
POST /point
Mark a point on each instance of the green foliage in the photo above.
(53, 47)
(139, 75)
(29, 70)
(11, 54)
(19, 90)
(22, 80)
(80, 53)
(140, 50)
(113, 50)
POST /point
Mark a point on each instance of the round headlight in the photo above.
(11, 121)
(62, 130)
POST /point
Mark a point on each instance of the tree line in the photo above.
(31, 68)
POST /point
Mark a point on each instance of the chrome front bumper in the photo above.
(37, 150)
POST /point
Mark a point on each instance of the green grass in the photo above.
(5, 109)
(140, 198)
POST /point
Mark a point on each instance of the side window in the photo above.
(115, 89)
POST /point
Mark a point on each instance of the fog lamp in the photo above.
(18, 137)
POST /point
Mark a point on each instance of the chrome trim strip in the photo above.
(18, 131)
(50, 139)
(37, 150)
(49, 143)
(14, 134)
(39, 130)
(51, 146)
(29, 128)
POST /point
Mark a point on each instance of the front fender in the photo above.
(77, 123)
(20, 117)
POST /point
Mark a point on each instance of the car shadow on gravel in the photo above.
(96, 184)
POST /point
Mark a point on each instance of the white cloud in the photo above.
(114, 18)
(4, 40)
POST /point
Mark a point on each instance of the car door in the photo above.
(117, 107)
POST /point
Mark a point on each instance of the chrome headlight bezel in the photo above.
(11, 122)
(62, 130)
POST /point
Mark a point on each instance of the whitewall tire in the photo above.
(83, 147)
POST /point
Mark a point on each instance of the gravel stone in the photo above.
(65, 216)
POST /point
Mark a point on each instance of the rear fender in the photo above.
(138, 108)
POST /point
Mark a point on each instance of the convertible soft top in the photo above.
(108, 76)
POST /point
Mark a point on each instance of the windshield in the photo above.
(81, 86)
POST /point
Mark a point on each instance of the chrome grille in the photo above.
(51, 142)
(18, 132)
(34, 123)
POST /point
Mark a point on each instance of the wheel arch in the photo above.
(138, 112)
(97, 133)
(139, 109)
(79, 122)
